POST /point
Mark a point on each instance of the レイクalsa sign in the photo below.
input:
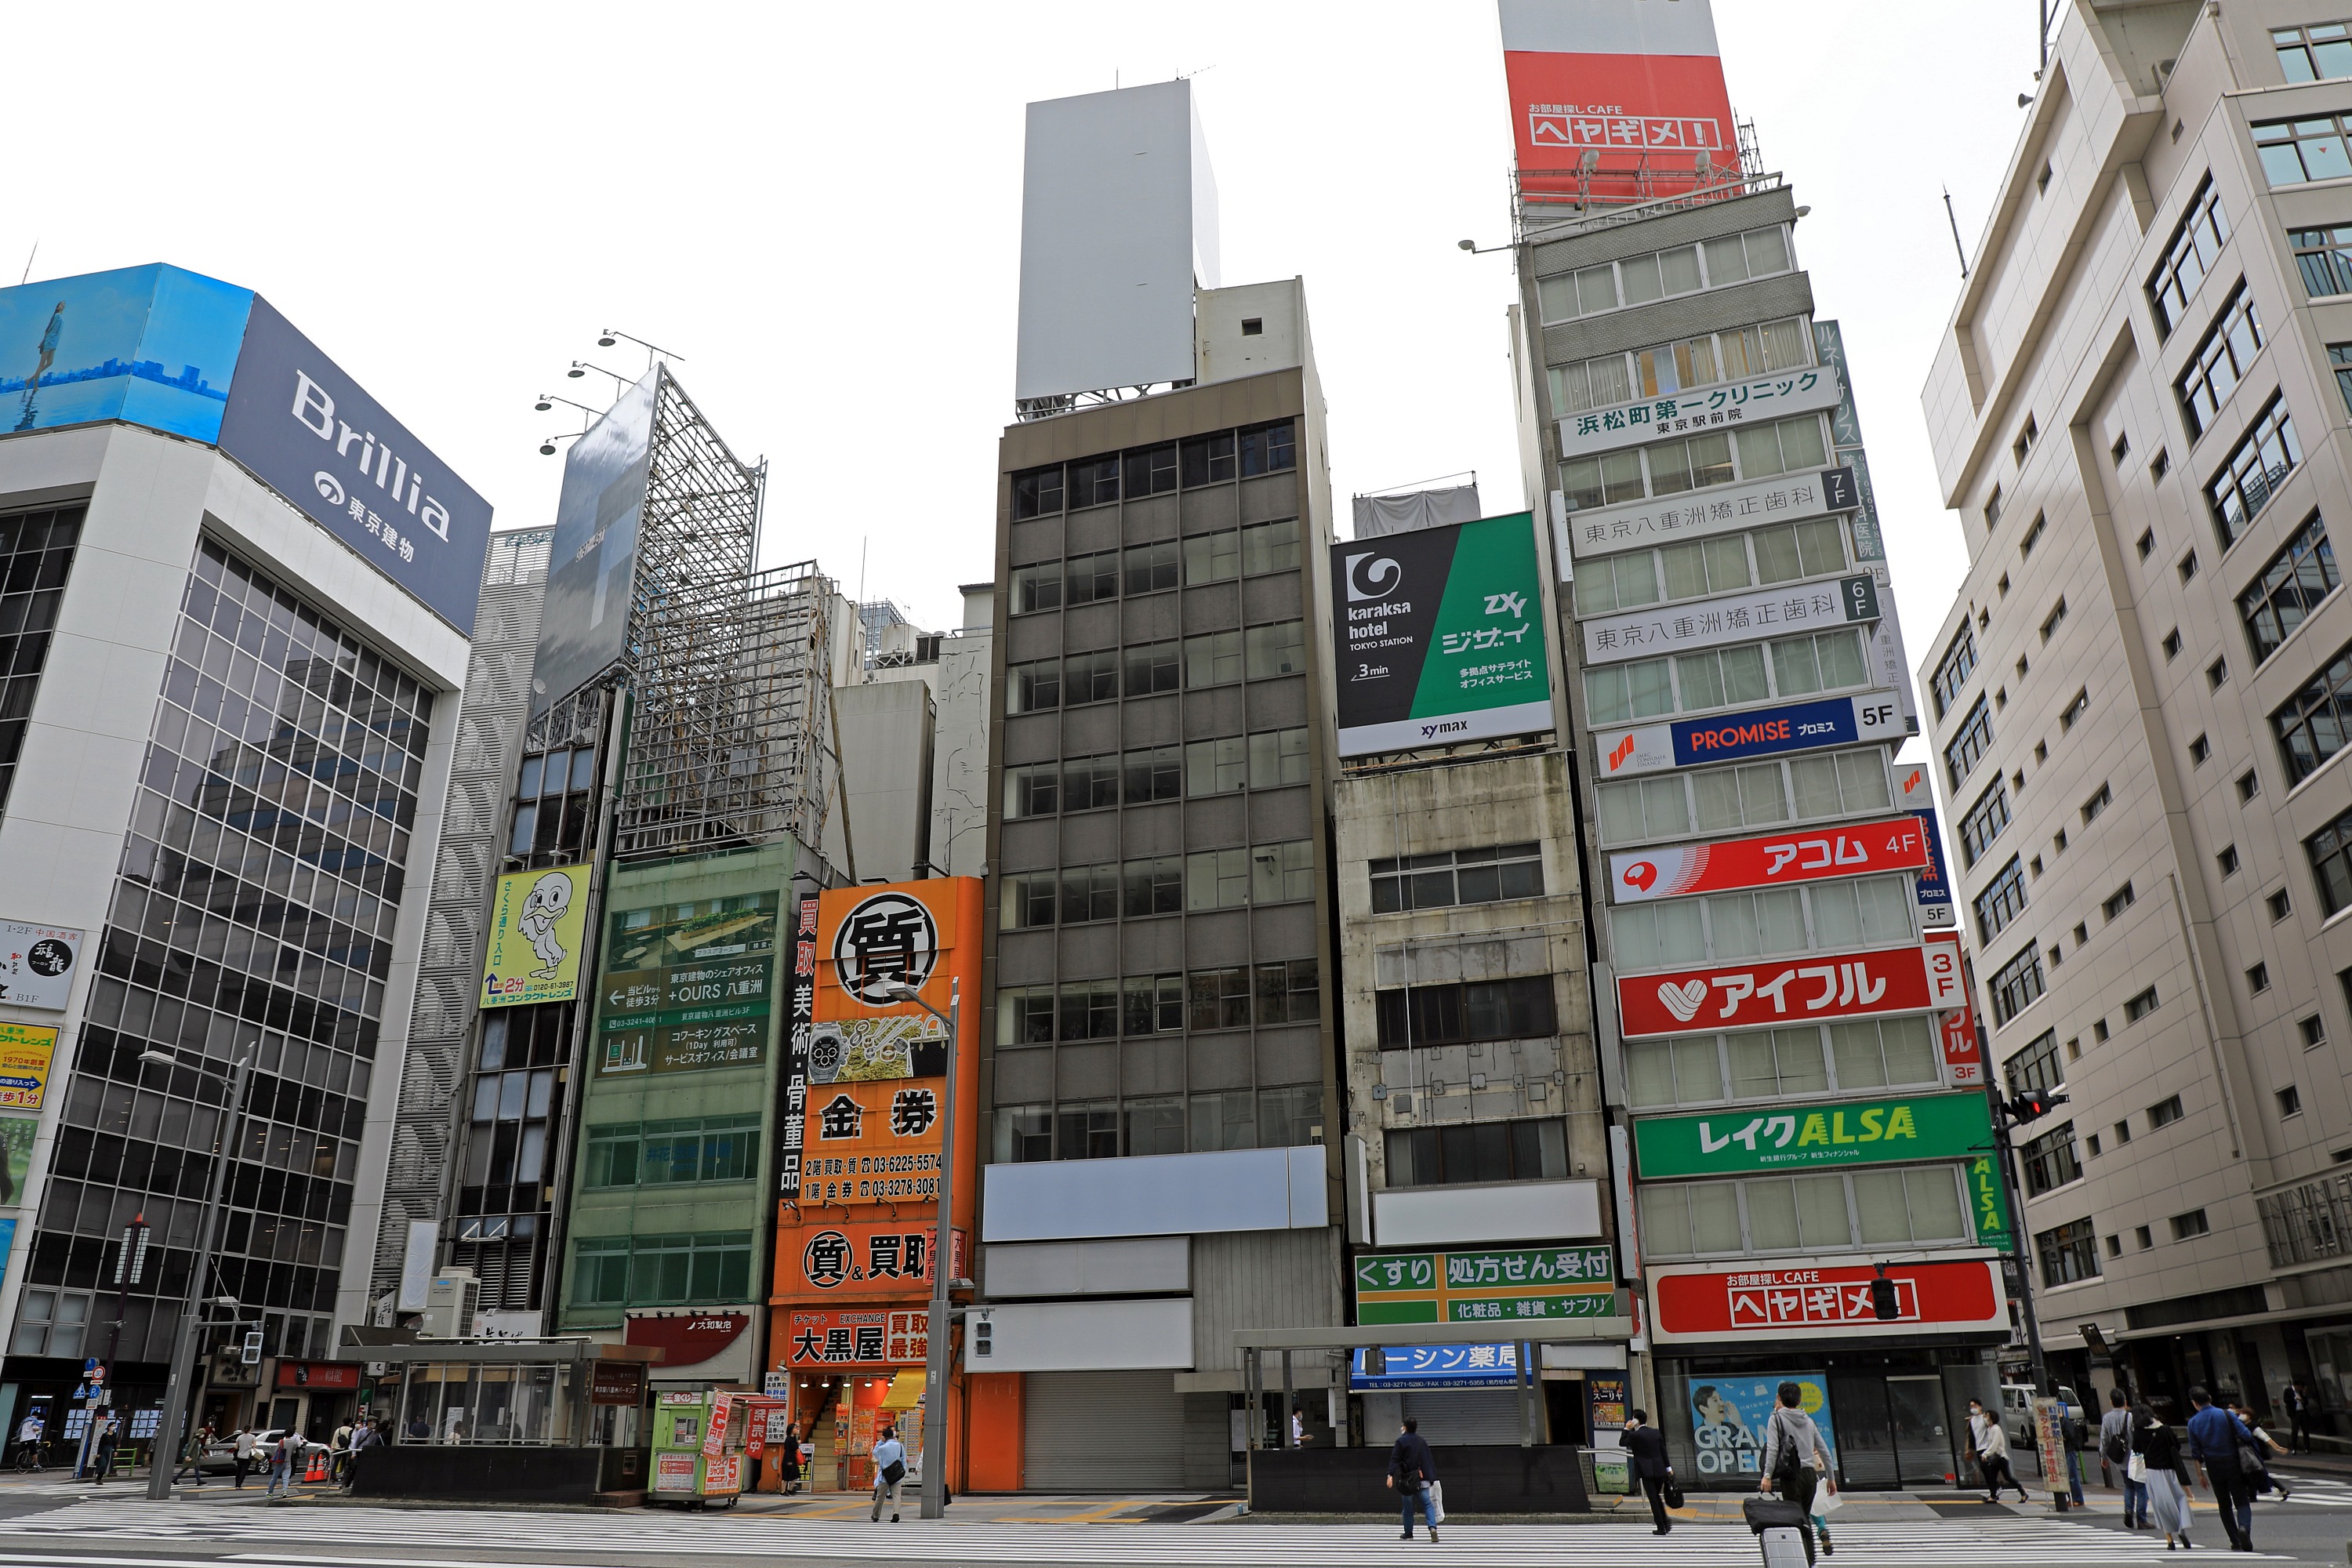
(1814, 1136)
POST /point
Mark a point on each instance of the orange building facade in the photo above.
(862, 1129)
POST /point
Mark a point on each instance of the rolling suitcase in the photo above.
(1780, 1530)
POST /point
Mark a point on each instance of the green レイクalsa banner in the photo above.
(1814, 1136)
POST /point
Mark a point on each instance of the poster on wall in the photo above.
(15, 1156)
(1728, 1416)
(1438, 637)
(37, 965)
(686, 987)
(539, 921)
(27, 1052)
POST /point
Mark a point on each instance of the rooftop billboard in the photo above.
(1636, 83)
(591, 570)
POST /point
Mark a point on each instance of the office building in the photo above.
(2137, 416)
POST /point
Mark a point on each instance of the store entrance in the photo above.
(1923, 1445)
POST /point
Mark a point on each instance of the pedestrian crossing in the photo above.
(410, 1537)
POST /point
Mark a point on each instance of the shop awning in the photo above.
(906, 1391)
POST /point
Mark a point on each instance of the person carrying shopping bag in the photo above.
(1412, 1471)
(1796, 1462)
(2114, 1459)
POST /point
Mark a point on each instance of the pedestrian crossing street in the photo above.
(2317, 1491)
(410, 1537)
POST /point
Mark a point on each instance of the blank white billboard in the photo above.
(1119, 219)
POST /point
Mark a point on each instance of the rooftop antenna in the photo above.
(1956, 234)
(29, 264)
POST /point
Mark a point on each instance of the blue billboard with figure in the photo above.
(1728, 1416)
(192, 356)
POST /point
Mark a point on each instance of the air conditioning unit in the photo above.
(449, 1303)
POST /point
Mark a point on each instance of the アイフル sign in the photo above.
(1438, 637)
(1735, 617)
(1766, 860)
(1482, 1285)
(1759, 733)
(1758, 995)
(1810, 1136)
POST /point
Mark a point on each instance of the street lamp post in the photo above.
(168, 1436)
(935, 1362)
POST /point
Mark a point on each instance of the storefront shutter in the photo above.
(1102, 1431)
(1466, 1414)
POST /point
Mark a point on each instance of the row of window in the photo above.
(1829, 916)
(2220, 362)
(1765, 1064)
(1159, 1124)
(1744, 676)
(2189, 255)
(673, 1153)
(1696, 462)
(2003, 901)
(1157, 567)
(661, 1270)
(1161, 884)
(1983, 821)
(1952, 671)
(36, 553)
(1534, 1149)
(2260, 461)
(1283, 991)
(1736, 353)
(1918, 1206)
(1719, 566)
(1462, 1013)
(1152, 470)
(1663, 274)
(1710, 801)
(1453, 877)
(1194, 663)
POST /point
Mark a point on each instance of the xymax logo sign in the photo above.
(1503, 604)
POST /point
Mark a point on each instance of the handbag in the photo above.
(1670, 1493)
(1826, 1502)
(893, 1472)
(2136, 1467)
(1437, 1502)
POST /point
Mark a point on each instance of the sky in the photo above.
(815, 209)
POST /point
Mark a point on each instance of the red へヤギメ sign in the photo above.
(1767, 860)
(1811, 988)
(1692, 1301)
(1639, 89)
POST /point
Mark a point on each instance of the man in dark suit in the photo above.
(1647, 1444)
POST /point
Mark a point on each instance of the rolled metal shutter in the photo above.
(1466, 1414)
(1102, 1431)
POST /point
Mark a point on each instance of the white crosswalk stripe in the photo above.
(333, 1538)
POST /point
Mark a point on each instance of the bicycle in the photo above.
(29, 1458)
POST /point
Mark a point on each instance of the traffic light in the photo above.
(1882, 1305)
(2030, 1104)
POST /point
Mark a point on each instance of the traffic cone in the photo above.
(317, 1470)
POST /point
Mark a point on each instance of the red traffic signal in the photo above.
(2030, 1104)
(1882, 1305)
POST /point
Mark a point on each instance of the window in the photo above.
(2314, 1032)
(2171, 645)
(1212, 557)
(1151, 1004)
(2313, 53)
(2311, 726)
(2032, 537)
(2188, 567)
(1574, 294)
(2145, 543)
(1038, 587)
(2255, 468)
(1277, 757)
(2002, 902)
(2101, 799)
(1025, 1015)
(1150, 667)
(2257, 978)
(1089, 578)
(1603, 480)
(1033, 790)
(1477, 1152)
(1207, 459)
(2123, 1133)
(661, 1270)
(1287, 993)
(2068, 1254)
(2198, 750)
(1151, 471)
(1754, 795)
(2099, 1030)
(1214, 659)
(1090, 1010)
(1866, 911)
(1786, 447)
(1152, 887)
(1217, 878)
(2120, 450)
(2248, 785)
(1813, 1059)
(2295, 151)
(1090, 783)
(2067, 716)
(1276, 649)
(1984, 822)
(1157, 774)
(1090, 677)
(2050, 1161)
(1270, 547)
(1151, 567)
(1214, 767)
(1812, 1214)
(1952, 671)
(1037, 492)
(1030, 898)
(2217, 673)
(2228, 859)
(1602, 382)
(2118, 901)
(2325, 258)
(2186, 1226)
(1025, 1134)
(668, 1153)
(2139, 1006)
(1093, 482)
(2041, 182)
(2340, 356)
(2037, 1067)
(2025, 440)
(1218, 998)
(2220, 362)
(1459, 1013)
(2188, 255)
(2329, 851)
(1687, 465)
(2115, 1246)
(1992, 510)
(2082, 938)
(2291, 586)
(2140, 1234)
(1972, 742)
(1253, 326)
(1268, 448)
(1032, 687)
(1282, 872)
(2016, 984)
(1457, 877)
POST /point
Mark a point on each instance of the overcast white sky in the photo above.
(817, 207)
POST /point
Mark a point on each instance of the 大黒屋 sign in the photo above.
(1476, 1286)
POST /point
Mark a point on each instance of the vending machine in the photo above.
(697, 1447)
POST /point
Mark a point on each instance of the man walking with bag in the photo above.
(2298, 1414)
(2114, 1459)
(890, 1469)
(1648, 1448)
(1411, 1470)
(2214, 1438)
(1796, 1462)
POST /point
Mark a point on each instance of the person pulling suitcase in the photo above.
(1796, 1462)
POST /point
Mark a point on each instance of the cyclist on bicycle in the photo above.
(29, 1441)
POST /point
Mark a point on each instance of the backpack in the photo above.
(2115, 1448)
